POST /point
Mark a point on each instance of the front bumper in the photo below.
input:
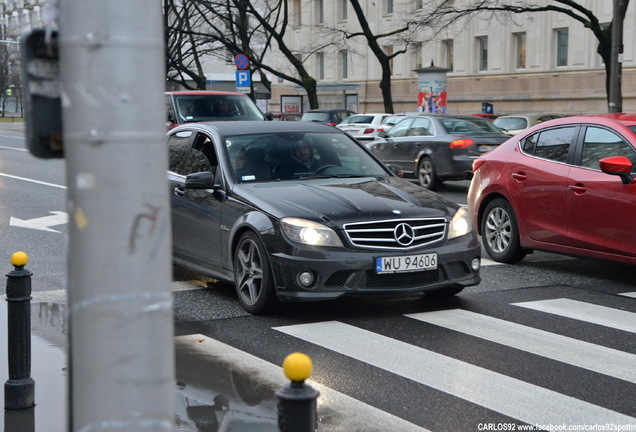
(352, 272)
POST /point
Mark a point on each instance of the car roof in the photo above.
(203, 92)
(252, 127)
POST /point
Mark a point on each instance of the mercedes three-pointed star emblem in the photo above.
(404, 234)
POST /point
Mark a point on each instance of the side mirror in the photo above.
(269, 116)
(200, 180)
(382, 134)
(618, 165)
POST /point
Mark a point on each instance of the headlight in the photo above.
(310, 233)
(460, 224)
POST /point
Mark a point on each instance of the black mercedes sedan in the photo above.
(434, 148)
(298, 211)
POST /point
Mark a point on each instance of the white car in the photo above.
(364, 127)
(515, 123)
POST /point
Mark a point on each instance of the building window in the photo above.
(320, 14)
(482, 50)
(389, 7)
(448, 53)
(417, 56)
(562, 47)
(344, 64)
(520, 48)
(320, 65)
(297, 12)
(343, 7)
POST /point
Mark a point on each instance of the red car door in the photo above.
(538, 174)
(600, 207)
(601, 212)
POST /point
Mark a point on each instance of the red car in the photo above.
(563, 186)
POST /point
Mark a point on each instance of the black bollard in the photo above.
(19, 389)
(297, 400)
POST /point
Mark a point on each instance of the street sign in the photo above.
(242, 62)
(243, 78)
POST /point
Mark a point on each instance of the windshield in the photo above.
(511, 123)
(198, 108)
(458, 126)
(287, 156)
(316, 116)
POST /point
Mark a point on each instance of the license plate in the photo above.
(404, 264)
(485, 148)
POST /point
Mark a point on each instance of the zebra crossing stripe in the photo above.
(578, 310)
(607, 361)
(509, 396)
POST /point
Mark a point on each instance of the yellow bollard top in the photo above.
(297, 366)
(19, 259)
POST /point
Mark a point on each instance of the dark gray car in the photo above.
(339, 223)
(435, 148)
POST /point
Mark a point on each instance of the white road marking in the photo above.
(32, 181)
(509, 396)
(601, 315)
(607, 361)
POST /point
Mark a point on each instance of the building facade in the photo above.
(543, 61)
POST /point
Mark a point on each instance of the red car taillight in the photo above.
(367, 130)
(477, 163)
(461, 143)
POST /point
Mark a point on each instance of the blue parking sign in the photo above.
(243, 78)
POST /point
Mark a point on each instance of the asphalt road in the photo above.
(546, 341)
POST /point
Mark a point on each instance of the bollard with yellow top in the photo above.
(297, 400)
(19, 389)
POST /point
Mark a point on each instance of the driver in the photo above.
(299, 161)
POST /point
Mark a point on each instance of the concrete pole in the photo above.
(121, 353)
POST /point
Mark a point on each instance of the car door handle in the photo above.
(179, 191)
(519, 176)
(578, 188)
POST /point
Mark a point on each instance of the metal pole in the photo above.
(615, 100)
(19, 389)
(121, 352)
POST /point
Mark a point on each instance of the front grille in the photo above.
(402, 234)
(403, 280)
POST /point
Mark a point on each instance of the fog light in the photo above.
(305, 278)
(475, 264)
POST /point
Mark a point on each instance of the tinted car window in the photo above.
(197, 108)
(359, 119)
(178, 146)
(554, 144)
(601, 143)
(420, 127)
(400, 129)
(331, 151)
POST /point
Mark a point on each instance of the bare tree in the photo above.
(229, 27)
(384, 58)
(447, 12)
(10, 77)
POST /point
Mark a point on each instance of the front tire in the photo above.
(426, 174)
(252, 276)
(500, 232)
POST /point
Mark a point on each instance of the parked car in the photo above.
(434, 148)
(332, 117)
(564, 186)
(287, 117)
(363, 127)
(347, 226)
(488, 116)
(515, 123)
(197, 106)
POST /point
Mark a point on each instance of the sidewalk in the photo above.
(217, 388)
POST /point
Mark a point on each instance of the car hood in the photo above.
(339, 201)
